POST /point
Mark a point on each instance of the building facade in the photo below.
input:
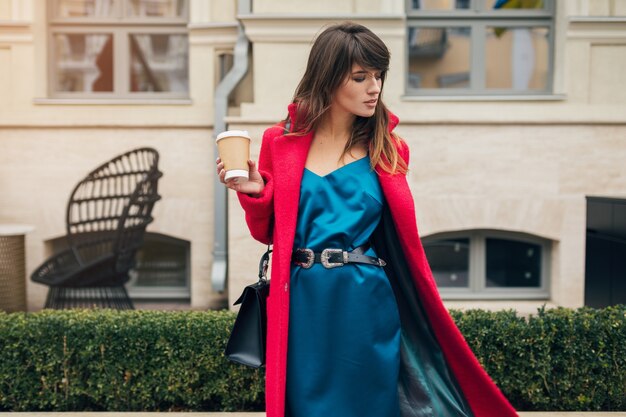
(515, 113)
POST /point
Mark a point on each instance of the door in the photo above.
(605, 259)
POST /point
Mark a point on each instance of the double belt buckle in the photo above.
(310, 258)
(324, 257)
(327, 253)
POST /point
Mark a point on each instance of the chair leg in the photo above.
(89, 297)
(126, 302)
(50, 298)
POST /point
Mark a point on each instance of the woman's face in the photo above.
(359, 92)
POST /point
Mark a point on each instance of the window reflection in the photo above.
(449, 261)
(161, 262)
(84, 63)
(440, 4)
(84, 8)
(513, 4)
(517, 58)
(159, 63)
(156, 8)
(439, 57)
(512, 263)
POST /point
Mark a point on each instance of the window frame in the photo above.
(478, 20)
(477, 281)
(120, 28)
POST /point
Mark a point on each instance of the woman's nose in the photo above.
(373, 86)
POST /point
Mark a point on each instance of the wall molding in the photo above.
(12, 32)
(606, 29)
(213, 34)
(301, 28)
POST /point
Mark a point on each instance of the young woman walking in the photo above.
(356, 327)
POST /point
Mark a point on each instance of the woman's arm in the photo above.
(259, 208)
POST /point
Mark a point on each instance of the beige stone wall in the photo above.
(40, 167)
(519, 178)
(23, 62)
(328, 7)
(509, 164)
(605, 7)
(5, 10)
(47, 145)
(516, 165)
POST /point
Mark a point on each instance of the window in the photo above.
(489, 264)
(162, 269)
(479, 47)
(118, 48)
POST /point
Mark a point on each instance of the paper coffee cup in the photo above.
(233, 147)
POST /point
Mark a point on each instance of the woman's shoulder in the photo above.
(274, 131)
(401, 146)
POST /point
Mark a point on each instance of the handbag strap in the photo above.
(264, 263)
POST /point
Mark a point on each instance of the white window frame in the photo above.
(478, 20)
(477, 288)
(120, 28)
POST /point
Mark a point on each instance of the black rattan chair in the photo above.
(107, 217)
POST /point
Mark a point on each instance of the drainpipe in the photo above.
(219, 272)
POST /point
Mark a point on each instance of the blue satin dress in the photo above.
(343, 354)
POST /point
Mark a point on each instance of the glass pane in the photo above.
(513, 264)
(155, 8)
(513, 4)
(161, 264)
(159, 62)
(84, 8)
(84, 63)
(440, 4)
(517, 58)
(449, 261)
(439, 57)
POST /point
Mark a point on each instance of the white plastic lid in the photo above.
(236, 173)
(229, 133)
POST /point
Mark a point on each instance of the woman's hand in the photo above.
(253, 186)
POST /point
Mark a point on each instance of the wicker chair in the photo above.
(107, 216)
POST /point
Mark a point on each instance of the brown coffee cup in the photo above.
(233, 147)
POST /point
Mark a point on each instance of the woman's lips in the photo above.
(371, 103)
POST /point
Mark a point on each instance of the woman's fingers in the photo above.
(220, 170)
(230, 183)
(250, 185)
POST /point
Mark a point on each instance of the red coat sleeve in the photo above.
(259, 211)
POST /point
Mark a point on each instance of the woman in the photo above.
(363, 332)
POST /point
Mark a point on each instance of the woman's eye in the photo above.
(359, 80)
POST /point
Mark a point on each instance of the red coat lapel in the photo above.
(289, 156)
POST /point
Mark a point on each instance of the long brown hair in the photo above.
(331, 59)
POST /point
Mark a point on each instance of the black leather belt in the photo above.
(332, 258)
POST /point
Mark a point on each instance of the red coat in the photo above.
(281, 163)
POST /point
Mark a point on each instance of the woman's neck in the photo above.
(336, 125)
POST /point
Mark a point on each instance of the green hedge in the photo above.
(118, 361)
(558, 359)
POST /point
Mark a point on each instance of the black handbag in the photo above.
(247, 341)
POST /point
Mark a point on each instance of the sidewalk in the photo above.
(196, 414)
